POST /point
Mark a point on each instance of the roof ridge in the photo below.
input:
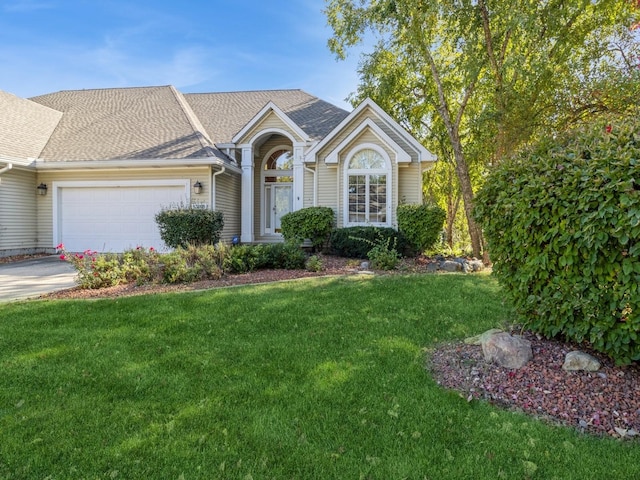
(192, 118)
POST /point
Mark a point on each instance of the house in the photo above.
(91, 168)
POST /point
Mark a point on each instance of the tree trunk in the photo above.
(462, 170)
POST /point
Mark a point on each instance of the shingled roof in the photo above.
(25, 126)
(225, 114)
(161, 122)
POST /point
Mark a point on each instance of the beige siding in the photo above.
(328, 195)
(18, 211)
(410, 184)
(45, 205)
(228, 202)
(270, 121)
(309, 188)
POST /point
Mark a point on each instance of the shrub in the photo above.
(288, 256)
(356, 242)
(383, 254)
(312, 223)
(191, 264)
(563, 226)
(101, 270)
(184, 225)
(421, 224)
(314, 264)
(247, 258)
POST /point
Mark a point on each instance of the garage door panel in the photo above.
(113, 218)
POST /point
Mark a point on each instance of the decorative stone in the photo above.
(432, 267)
(578, 360)
(451, 266)
(364, 265)
(476, 265)
(480, 339)
(506, 350)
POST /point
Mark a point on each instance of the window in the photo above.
(367, 176)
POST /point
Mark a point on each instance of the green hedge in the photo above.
(356, 242)
(247, 258)
(312, 223)
(563, 226)
(183, 226)
(421, 224)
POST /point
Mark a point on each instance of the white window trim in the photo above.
(388, 171)
(270, 173)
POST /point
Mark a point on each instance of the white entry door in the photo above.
(278, 202)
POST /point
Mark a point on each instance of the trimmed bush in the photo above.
(356, 242)
(183, 226)
(563, 226)
(421, 224)
(312, 223)
(247, 258)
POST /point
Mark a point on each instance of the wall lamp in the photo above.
(42, 189)
(197, 187)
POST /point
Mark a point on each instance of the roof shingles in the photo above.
(161, 122)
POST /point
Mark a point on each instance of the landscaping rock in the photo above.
(480, 339)
(451, 266)
(432, 267)
(578, 360)
(506, 350)
(476, 265)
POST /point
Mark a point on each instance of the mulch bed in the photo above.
(606, 402)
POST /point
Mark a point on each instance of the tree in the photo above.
(490, 73)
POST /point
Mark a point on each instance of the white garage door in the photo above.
(113, 218)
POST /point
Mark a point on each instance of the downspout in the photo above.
(315, 184)
(213, 187)
(6, 168)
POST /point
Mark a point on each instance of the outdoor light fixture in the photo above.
(42, 189)
(197, 187)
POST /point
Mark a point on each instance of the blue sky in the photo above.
(196, 45)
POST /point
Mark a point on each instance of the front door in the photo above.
(278, 202)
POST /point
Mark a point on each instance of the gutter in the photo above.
(212, 202)
(6, 168)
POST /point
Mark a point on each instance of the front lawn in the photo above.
(311, 379)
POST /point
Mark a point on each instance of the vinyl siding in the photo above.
(410, 184)
(45, 205)
(18, 211)
(270, 121)
(228, 187)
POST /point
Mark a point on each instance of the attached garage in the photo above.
(113, 216)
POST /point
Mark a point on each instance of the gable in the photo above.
(381, 129)
(270, 119)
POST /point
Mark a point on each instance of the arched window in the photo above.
(279, 167)
(368, 187)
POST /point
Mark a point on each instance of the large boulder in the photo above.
(509, 351)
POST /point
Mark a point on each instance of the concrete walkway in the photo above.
(34, 277)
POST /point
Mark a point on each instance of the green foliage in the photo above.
(184, 225)
(314, 264)
(383, 254)
(191, 264)
(97, 270)
(563, 225)
(312, 223)
(247, 258)
(356, 242)
(421, 224)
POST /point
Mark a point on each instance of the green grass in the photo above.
(313, 379)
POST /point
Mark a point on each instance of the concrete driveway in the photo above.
(34, 277)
